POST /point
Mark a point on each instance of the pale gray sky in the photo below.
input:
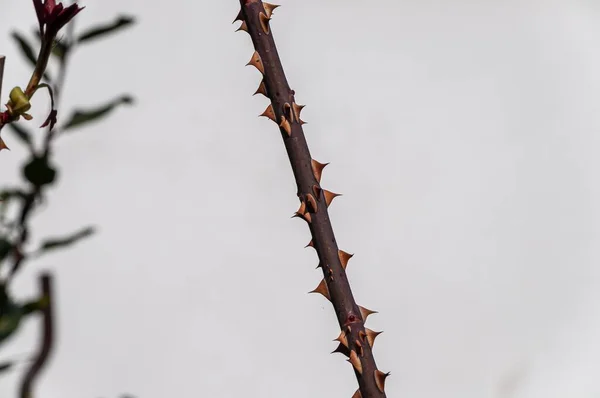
(463, 134)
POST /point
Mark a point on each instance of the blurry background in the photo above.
(464, 136)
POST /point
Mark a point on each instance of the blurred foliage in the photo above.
(56, 243)
(40, 172)
(25, 47)
(6, 366)
(27, 50)
(97, 32)
(23, 134)
(80, 117)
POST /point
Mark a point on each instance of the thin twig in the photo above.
(47, 341)
(60, 83)
(2, 58)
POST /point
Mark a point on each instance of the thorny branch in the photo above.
(355, 340)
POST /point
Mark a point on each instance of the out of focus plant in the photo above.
(40, 172)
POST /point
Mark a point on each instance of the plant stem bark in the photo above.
(355, 339)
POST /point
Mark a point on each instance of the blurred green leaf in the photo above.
(94, 33)
(27, 50)
(89, 115)
(23, 134)
(8, 194)
(5, 247)
(6, 366)
(10, 315)
(59, 49)
(33, 306)
(9, 323)
(54, 243)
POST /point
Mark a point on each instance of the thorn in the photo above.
(302, 208)
(355, 361)
(297, 110)
(286, 125)
(306, 217)
(270, 113)
(359, 345)
(302, 213)
(269, 8)
(3, 145)
(256, 62)
(311, 244)
(264, 22)
(380, 379)
(371, 335)
(342, 350)
(344, 257)
(262, 89)
(312, 202)
(329, 196)
(287, 111)
(357, 394)
(243, 27)
(322, 289)
(364, 312)
(317, 169)
(342, 339)
(239, 17)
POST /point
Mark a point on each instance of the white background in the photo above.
(464, 136)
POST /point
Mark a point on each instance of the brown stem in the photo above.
(355, 340)
(47, 340)
(40, 67)
(51, 133)
(2, 59)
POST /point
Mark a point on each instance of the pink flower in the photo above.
(54, 16)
